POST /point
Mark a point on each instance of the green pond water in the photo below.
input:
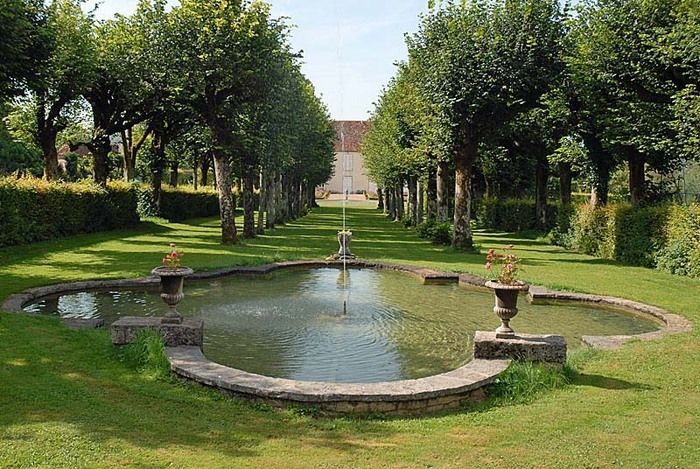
(291, 325)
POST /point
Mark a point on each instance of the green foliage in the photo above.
(23, 45)
(681, 254)
(560, 233)
(146, 354)
(33, 210)
(628, 234)
(67, 402)
(178, 203)
(17, 154)
(512, 214)
(639, 233)
(662, 236)
(438, 233)
(523, 381)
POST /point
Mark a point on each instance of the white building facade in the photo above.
(349, 172)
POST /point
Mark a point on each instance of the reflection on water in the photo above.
(293, 326)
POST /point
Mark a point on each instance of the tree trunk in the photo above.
(100, 152)
(413, 200)
(157, 169)
(157, 183)
(600, 189)
(421, 203)
(249, 173)
(565, 183)
(312, 197)
(541, 178)
(400, 211)
(282, 206)
(227, 206)
(389, 202)
(174, 172)
(464, 159)
(442, 189)
(271, 199)
(488, 187)
(206, 164)
(432, 196)
(380, 200)
(48, 148)
(602, 165)
(127, 166)
(637, 183)
(262, 203)
(46, 136)
(195, 176)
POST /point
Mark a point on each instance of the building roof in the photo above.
(348, 135)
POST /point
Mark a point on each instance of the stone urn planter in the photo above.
(506, 307)
(171, 282)
(344, 239)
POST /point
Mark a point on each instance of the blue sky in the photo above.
(349, 46)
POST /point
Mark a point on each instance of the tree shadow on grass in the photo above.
(55, 376)
(605, 382)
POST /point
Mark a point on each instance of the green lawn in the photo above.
(67, 401)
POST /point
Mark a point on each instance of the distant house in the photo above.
(349, 174)
(82, 150)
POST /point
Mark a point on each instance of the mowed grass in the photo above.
(66, 399)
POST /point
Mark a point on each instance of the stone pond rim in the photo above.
(406, 397)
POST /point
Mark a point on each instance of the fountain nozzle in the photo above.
(345, 308)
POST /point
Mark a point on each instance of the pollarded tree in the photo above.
(481, 63)
(121, 95)
(62, 77)
(381, 148)
(23, 46)
(638, 53)
(224, 46)
(314, 153)
(395, 147)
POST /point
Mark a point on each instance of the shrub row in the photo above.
(512, 214)
(681, 251)
(178, 203)
(620, 232)
(35, 210)
(663, 236)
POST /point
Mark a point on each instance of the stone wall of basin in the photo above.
(407, 397)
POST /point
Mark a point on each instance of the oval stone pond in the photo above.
(290, 324)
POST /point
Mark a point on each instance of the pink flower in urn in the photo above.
(172, 259)
(508, 265)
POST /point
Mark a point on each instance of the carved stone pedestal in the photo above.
(189, 332)
(526, 347)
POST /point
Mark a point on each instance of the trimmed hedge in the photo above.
(681, 253)
(666, 237)
(621, 232)
(35, 210)
(512, 214)
(663, 236)
(178, 203)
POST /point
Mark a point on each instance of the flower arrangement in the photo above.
(173, 258)
(507, 262)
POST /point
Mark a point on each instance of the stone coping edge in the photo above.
(434, 393)
(671, 323)
(16, 302)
